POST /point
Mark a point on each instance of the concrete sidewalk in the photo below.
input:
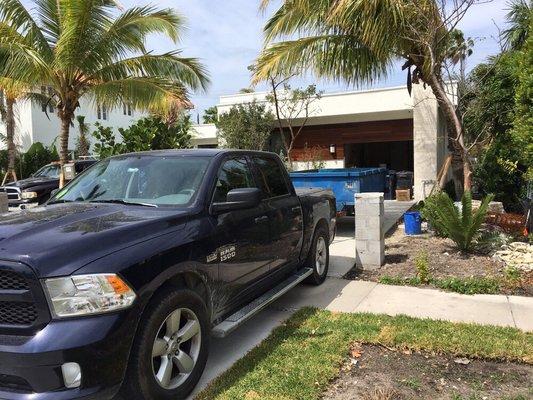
(361, 296)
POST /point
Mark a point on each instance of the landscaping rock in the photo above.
(518, 255)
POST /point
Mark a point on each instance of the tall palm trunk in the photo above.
(10, 138)
(66, 118)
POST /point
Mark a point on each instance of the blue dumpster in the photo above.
(413, 223)
(344, 182)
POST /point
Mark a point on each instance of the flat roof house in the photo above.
(371, 128)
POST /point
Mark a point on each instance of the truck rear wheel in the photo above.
(170, 350)
(318, 258)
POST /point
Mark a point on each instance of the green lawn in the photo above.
(299, 358)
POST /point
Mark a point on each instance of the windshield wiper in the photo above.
(60, 202)
(120, 201)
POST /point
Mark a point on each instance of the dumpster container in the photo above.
(344, 182)
(413, 223)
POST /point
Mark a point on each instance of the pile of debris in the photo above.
(518, 255)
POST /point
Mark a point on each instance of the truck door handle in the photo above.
(258, 220)
(296, 209)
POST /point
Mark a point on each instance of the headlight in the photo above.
(88, 294)
(28, 195)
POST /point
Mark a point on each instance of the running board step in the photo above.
(248, 311)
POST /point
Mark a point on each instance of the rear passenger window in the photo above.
(271, 177)
(233, 174)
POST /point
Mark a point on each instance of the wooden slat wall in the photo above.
(357, 132)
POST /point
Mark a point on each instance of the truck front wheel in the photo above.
(170, 350)
(318, 258)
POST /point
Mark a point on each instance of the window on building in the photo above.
(101, 112)
(127, 109)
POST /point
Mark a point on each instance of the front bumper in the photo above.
(30, 367)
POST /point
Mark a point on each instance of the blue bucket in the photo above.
(413, 223)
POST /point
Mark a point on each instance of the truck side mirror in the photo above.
(54, 192)
(238, 199)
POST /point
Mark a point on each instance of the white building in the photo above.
(371, 128)
(33, 124)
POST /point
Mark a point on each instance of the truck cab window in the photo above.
(233, 174)
(271, 177)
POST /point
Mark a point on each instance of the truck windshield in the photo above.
(48, 171)
(145, 180)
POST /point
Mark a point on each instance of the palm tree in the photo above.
(83, 144)
(93, 48)
(357, 41)
(520, 17)
(10, 92)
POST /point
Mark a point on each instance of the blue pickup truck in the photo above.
(115, 285)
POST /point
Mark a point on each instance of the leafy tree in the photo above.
(246, 126)
(460, 226)
(94, 49)
(293, 108)
(358, 41)
(154, 134)
(106, 144)
(210, 115)
(522, 132)
(37, 157)
(82, 144)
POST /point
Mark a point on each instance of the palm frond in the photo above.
(185, 71)
(336, 57)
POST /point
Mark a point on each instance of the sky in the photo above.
(227, 36)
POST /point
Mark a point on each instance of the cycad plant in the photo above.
(92, 48)
(462, 226)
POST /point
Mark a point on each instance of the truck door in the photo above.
(242, 237)
(283, 209)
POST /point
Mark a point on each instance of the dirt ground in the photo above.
(444, 261)
(378, 373)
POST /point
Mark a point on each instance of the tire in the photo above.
(147, 376)
(318, 258)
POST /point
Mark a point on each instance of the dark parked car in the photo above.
(116, 284)
(37, 188)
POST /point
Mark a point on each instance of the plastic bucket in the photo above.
(413, 223)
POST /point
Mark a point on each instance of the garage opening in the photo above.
(398, 156)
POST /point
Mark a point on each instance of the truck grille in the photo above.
(23, 306)
(12, 281)
(13, 313)
(12, 192)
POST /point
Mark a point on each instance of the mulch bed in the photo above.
(378, 373)
(445, 261)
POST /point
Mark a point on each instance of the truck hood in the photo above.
(28, 183)
(58, 239)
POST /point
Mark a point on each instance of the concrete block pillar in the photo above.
(369, 232)
(3, 203)
(429, 140)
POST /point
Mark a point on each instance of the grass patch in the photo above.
(470, 285)
(301, 357)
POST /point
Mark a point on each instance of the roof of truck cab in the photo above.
(191, 152)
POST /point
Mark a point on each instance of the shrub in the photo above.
(472, 285)
(422, 267)
(460, 226)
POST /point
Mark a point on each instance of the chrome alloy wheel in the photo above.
(176, 348)
(321, 255)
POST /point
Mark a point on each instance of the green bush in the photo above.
(422, 267)
(460, 226)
